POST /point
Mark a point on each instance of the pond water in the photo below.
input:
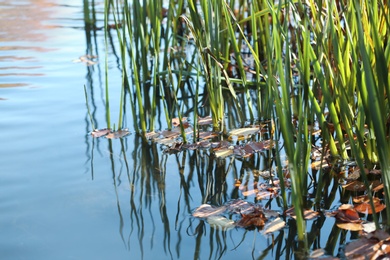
(66, 195)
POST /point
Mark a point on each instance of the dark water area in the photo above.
(66, 195)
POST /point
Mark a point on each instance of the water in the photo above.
(65, 195)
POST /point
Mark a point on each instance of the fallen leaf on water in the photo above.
(365, 207)
(317, 253)
(362, 248)
(207, 135)
(100, 132)
(249, 192)
(222, 153)
(346, 213)
(254, 219)
(118, 134)
(273, 226)
(221, 222)
(242, 133)
(350, 226)
(176, 121)
(205, 120)
(206, 210)
(354, 186)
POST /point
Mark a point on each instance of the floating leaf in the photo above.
(118, 134)
(348, 214)
(176, 122)
(255, 219)
(249, 192)
(221, 222)
(222, 153)
(273, 226)
(350, 226)
(365, 207)
(207, 135)
(100, 132)
(242, 133)
(362, 248)
(205, 120)
(355, 186)
(206, 210)
(152, 135)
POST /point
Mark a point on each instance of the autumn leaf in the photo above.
(118, 134)
(254, 219)
(350, 226)
(242, 133)
(206, 210)
(273, 226)
(100, 132)
(346, 213)
(221, 222)
(362, 248)
(205, 120)
(176, 121)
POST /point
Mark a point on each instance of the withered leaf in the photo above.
(205, 120)
(206, 210)
(221, 222)
(176, 121)
(354, 186)
(360, 248)
(365, 207)
(319, 165)
(242, 133)
(100, 132)
(348, 214)
(207, 135)
(224, 152)
(118, 134)
(253, 219)
(273, 226)
(350, 226)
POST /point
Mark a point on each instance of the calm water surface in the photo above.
(64, 195)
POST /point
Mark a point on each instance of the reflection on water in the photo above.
(70, 195)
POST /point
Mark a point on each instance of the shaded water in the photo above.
(65, 195)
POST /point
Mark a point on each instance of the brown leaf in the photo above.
(207, 135)
(348, 215)
(365, 207)
(273, 226)
(100, 132)
(350, 226)
(176, 121)
(206, 210)
(355, 186)
(118, 134)
(252, 220)
(205, 120)
(360, 249)
(242, 133)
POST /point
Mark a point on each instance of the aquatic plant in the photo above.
(294, 64)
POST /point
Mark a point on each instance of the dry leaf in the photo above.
(273, 226)
(100, 132)
(222, 153)
(365, 207)
(206, 135)
(254, 219)
(176, 121)
(205, 120)
(360, 249)
(118, 134)
(221, 222)
(350, 226)
(206, 210)
(242, 133)
(347, 214)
